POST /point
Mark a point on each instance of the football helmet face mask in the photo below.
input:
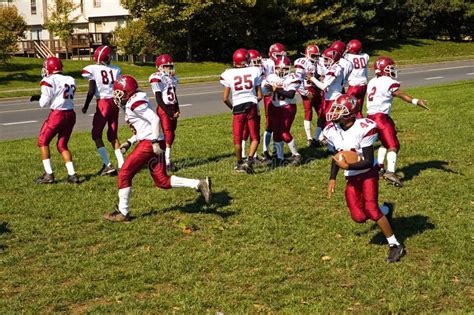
(353, 47)
(103, 55)
(51, 65)
(164, 63)
(339, 46)
(343, 108)
(282, 66)
(312, 53)
(330, 56)
(241, 58)
(255, 58)
(276, 50)
(385, 66)
(124, 87)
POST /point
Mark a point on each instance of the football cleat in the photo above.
(45, 179)
(381, 171)
(73, 179)
(240, 168)
(295, 160)
(205, 188)
(107, 170)
(395, 252)
(117, 216)
(392, 178)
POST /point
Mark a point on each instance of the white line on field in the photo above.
(470, 73)
(185, 105)
(433, 78)
(20, 122)
(431, 70)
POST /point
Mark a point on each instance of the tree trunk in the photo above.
(189, 47)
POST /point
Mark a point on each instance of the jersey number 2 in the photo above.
(370, 96)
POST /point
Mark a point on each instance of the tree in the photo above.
(60, 21)
(12, 27)
(133, 39)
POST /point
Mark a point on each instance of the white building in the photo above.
(96, 19)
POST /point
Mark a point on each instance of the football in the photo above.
(350, 156)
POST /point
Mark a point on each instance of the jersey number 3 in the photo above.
(243, 82)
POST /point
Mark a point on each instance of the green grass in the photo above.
(23, 74)
(258, 247)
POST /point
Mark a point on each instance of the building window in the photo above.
(33, 7)
(96, 3)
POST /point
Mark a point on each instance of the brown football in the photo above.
(350, 156)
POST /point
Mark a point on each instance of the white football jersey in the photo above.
(165, 84)
(57, 92)
(302, 66)
(104, 77)
(363, 133)
(380, 94)
(359, 73)
(268, 66)
(290, 82)
(242, 83)
(334, 77)
(138, 113)
(346, 67)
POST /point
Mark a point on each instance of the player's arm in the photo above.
(328, 79)
(46, 94)
(225, 97)
(332, 178)
(89, 96)
(150, 116)
(162, 105)
(259, 93)
(127, 144)
(407, 98)
(282, 92)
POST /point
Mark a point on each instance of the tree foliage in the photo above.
(133, 39)
(60, 20)
(12, 27)
(212, 30)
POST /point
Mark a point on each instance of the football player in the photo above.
(358, 77)
(150, 149)
(102, 77)
(282, 86)
(310, 95)
(331, 84)
(347, 133)
(57, 92)
(346, 64)
(164, 83)
(380, 92)
(275, 51)
(243, 83)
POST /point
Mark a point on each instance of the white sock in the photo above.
(243, 149)
(381, 155)
(392, 240)
(318, 134)
(179, 182)
(292, 147)
(267, 137)
(47, 166)
(124, 196)
(168, 155)
(104, 155)
(279, 150)
(391, 160)
(70, 168)
(307, 129)
(384, 209)
(119, 157)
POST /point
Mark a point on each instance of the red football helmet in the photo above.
(124, 87)
(330, 56)
(103, 55)
(344, 106)
(164, 63)
(354, 47)
(339, 46)
(255, 58)
(241, 58)
(276, 50)
(282, 66)
(385, 66)
(51, 65)
(312, 52)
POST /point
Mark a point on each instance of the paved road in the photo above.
(19, 118)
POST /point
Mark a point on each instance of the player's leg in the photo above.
(245, 137)
(238, 123)
(390, 141)
(289, 117)
(308, 117)
(252, 125)
(64, 134)
(112, 131)
(267, 135)
(98, 124)
(47, 132)
(354, 199)
(277, 121)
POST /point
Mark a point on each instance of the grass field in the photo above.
(260, 246)
(23, 74)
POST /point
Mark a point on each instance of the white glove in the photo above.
(125, 146)
(156, 148)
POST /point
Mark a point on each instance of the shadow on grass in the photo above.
(4, 230)
(189, 162)
(23, 77)
(415, 169)
(371, 46)
(219, 199)
(404, 228)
